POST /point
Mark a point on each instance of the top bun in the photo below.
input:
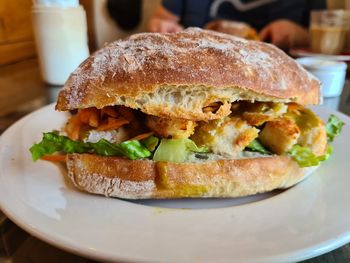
(182, 75)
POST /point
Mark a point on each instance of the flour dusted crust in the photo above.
(177, 75)
(143, 179)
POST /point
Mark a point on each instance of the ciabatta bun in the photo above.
(143, 179)
(178, 75)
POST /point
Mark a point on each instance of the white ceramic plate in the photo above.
(308, 53)
(307, 220)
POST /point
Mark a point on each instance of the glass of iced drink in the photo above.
(328, 30)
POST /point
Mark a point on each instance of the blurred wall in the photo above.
(16, 33)
(338, 4)
(335, 4)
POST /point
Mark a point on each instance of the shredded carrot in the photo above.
(109, 111)
(141, 136)
(94, 120)
(89, 116)
(75, 133)
(73, 127)
(112, 124)
(54, 158)
(84, 115)
(126, 113)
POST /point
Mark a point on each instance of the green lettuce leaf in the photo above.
(105, 148)
(53, 142)
(176, 150)
(333, 127)
(256, 146)
(305, 157)
(192, 146)
(134, 150)
(150, 142)
(131, 149)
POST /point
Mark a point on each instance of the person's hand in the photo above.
(285, 34)
(164, 26)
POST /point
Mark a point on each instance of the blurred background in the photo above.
(30, 77)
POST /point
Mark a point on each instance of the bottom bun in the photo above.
(144, 179)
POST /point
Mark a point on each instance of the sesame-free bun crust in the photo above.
(144, 179)
(177, 75)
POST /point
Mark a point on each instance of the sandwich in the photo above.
(190, 114)
(235, 28)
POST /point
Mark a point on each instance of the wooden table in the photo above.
(21, 92)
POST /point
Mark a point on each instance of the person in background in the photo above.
(283, 23)
(126, 13)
